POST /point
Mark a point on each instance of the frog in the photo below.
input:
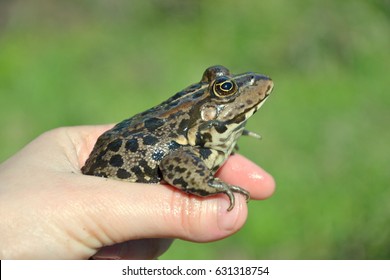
(184, 140)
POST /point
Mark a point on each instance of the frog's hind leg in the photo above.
(185, 169)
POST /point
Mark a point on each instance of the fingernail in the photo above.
(227, 219)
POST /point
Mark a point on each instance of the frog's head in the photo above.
(231, 100)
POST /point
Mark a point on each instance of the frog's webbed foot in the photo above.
(251, 134)
(185, 168)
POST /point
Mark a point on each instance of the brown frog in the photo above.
(186, 138)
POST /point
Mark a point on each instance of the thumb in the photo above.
(120, 211)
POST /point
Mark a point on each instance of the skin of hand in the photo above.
(49, 210)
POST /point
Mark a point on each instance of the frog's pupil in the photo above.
(227, 86)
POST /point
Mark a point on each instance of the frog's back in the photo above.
(133, 148)
(125, 152)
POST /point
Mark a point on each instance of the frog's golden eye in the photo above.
(223, 86)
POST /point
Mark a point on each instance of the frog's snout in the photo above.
(270, 87)
(265, 82)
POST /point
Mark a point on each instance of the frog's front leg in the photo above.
(185, 168)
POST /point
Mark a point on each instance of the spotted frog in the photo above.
(187, 138)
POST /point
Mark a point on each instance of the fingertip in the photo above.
(266, 183)
(205, 219)
(242, 172)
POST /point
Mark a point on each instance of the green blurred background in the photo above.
(325, 128)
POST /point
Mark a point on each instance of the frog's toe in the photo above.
(229, 190)
(241, 191)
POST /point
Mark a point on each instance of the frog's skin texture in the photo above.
(185, 139)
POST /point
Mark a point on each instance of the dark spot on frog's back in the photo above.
(150, 140)
(153, 123)
(132, 145)
(116, 160)
(115, 145)
(122, 174)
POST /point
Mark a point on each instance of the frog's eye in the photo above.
(224, 87)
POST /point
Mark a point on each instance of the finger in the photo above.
(62, 145)
(242, 172)
(124, 211)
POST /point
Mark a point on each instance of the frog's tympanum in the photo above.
(185, 139)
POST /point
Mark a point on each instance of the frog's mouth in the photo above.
(246, 114)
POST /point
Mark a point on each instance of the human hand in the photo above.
(49, 210)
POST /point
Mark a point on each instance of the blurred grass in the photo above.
(325, 129)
